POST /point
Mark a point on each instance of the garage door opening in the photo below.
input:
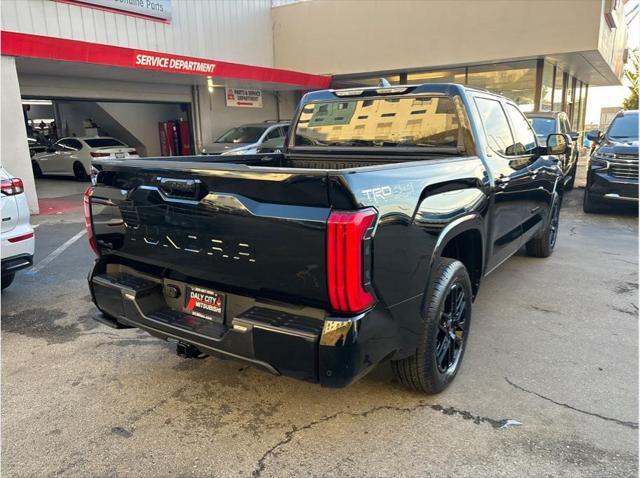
(65, 135)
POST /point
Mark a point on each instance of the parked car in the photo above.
(612, 171)
(73, 155)
(16, 231)
(548, 122)
(273, 145)
(248, 138)
(36, 146)
(355, 245)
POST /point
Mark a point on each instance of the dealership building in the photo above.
(127, 67)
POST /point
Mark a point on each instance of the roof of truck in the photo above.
(443, 88)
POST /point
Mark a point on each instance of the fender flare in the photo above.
(468, 222)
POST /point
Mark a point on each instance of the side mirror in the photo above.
(594, 135)
(574, 135)
(556, 144)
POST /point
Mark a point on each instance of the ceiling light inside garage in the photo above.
(37, 102)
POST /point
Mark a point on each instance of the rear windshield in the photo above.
(543, 126)
(242, 134)
(624, 127)
(103, 142)
(411, 122)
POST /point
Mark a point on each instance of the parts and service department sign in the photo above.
(243, 98)
(160, 9)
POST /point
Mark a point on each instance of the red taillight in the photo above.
(21, 238)
(13, 186)
(95, 154)
(87, 220)
(349, 260)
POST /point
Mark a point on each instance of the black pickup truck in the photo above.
(364, 241)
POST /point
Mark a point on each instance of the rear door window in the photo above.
(274, 133)
(103, 142)
(524, 135)
(496, 126)
(70, 144)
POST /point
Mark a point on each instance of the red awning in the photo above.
(61, 49)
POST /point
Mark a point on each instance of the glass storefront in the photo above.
(551, 89)
(546, 93)
(456, 75)
(516, 80)
(558, 89)
(576, 119)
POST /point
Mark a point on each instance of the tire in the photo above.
(7, 279)
(37, 170)
(543, 243)
(589, 205)
(79, 172)
(443, 341)
(569, 186)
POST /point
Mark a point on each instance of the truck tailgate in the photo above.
(231, 227)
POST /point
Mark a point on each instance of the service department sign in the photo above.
(243, 98)
(160, 9)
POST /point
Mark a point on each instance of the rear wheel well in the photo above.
(466, 247)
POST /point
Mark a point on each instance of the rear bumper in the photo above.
(17, 254)
(298, 342)
(16, 263)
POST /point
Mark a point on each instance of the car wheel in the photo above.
(543, 243)
(79, 172)
(574, 170)
(37, 170)
(7, 279)
(445, 328)
(589, 204)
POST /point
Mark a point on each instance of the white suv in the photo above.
(248, 138)
(16, 231)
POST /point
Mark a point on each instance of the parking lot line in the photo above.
(44, 262)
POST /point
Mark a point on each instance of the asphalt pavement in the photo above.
(549, 384)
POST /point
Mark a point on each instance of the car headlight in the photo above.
(601, 159)
(235, 152)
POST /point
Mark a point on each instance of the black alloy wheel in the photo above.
(79, 172)
(450, 340)
(445, 329)
(553, 226)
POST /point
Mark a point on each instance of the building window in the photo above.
(577, 108)
(515, 80)
(585, 94)
(568, 100)
(546, 95)
(455, 75)
(558, 89)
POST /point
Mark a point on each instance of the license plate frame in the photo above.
(119, 155)
(205, 304)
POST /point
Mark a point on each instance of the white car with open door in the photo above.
(73, 155)
(16, 232)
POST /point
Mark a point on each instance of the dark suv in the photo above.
(553, 122)
(612, 172)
